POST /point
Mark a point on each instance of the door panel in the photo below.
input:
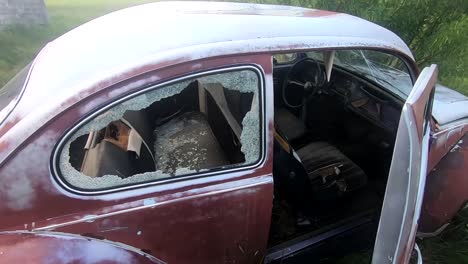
(405, 186)
(222, 225)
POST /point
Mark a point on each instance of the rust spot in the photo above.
(8, 125)
(318, 13)
(3, 146)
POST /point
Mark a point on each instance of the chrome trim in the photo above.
(152, 205)
(418, 252)
(55, 159)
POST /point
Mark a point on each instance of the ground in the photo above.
(20, 44)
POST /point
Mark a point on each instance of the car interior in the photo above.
(196, 129)
(334, 139)
(334, 136)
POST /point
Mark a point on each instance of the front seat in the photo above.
(315, 170)
(288, 125)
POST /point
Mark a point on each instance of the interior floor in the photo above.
(287, 223)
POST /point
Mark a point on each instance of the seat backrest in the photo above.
(288, 125)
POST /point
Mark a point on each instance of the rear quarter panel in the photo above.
(447, 182)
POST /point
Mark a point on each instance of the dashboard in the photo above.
(366, 99)
(359, 95)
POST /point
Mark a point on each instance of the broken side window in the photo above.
(196, 125)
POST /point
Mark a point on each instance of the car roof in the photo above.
(113, 47)
(175, 31)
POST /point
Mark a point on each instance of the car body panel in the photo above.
(149, 217)
(48, 247)
(446, 185)
(405, 186)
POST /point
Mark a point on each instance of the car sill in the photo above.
(297, 244)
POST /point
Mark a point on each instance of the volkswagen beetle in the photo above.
(227, 133)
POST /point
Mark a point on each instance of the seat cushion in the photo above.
(187, 142)
(288, 125)
(330, 172)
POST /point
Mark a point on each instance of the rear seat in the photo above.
(187, 142)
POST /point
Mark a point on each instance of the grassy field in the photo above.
(451, 246)
(18, 46)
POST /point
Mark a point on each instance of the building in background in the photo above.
(26, 12)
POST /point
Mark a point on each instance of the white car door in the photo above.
(405, 187)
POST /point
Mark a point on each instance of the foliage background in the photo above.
(436, 31)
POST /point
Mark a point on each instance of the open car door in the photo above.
(405, 187)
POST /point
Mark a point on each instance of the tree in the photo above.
(436, 31)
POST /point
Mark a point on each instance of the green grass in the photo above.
(449, 247)
(459, 83)
(19, 45)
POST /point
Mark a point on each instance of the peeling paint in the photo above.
(18, 189)
(149, 201)
(457, 146)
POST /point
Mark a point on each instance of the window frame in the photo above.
(296, 58)
(400, 94)
(408, 62)
(60, 179)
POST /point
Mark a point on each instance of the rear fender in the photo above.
(446, 186)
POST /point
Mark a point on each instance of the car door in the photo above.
(405, 187)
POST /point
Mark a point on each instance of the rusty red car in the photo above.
(227, 133)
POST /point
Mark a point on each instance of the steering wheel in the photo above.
(306, 77)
